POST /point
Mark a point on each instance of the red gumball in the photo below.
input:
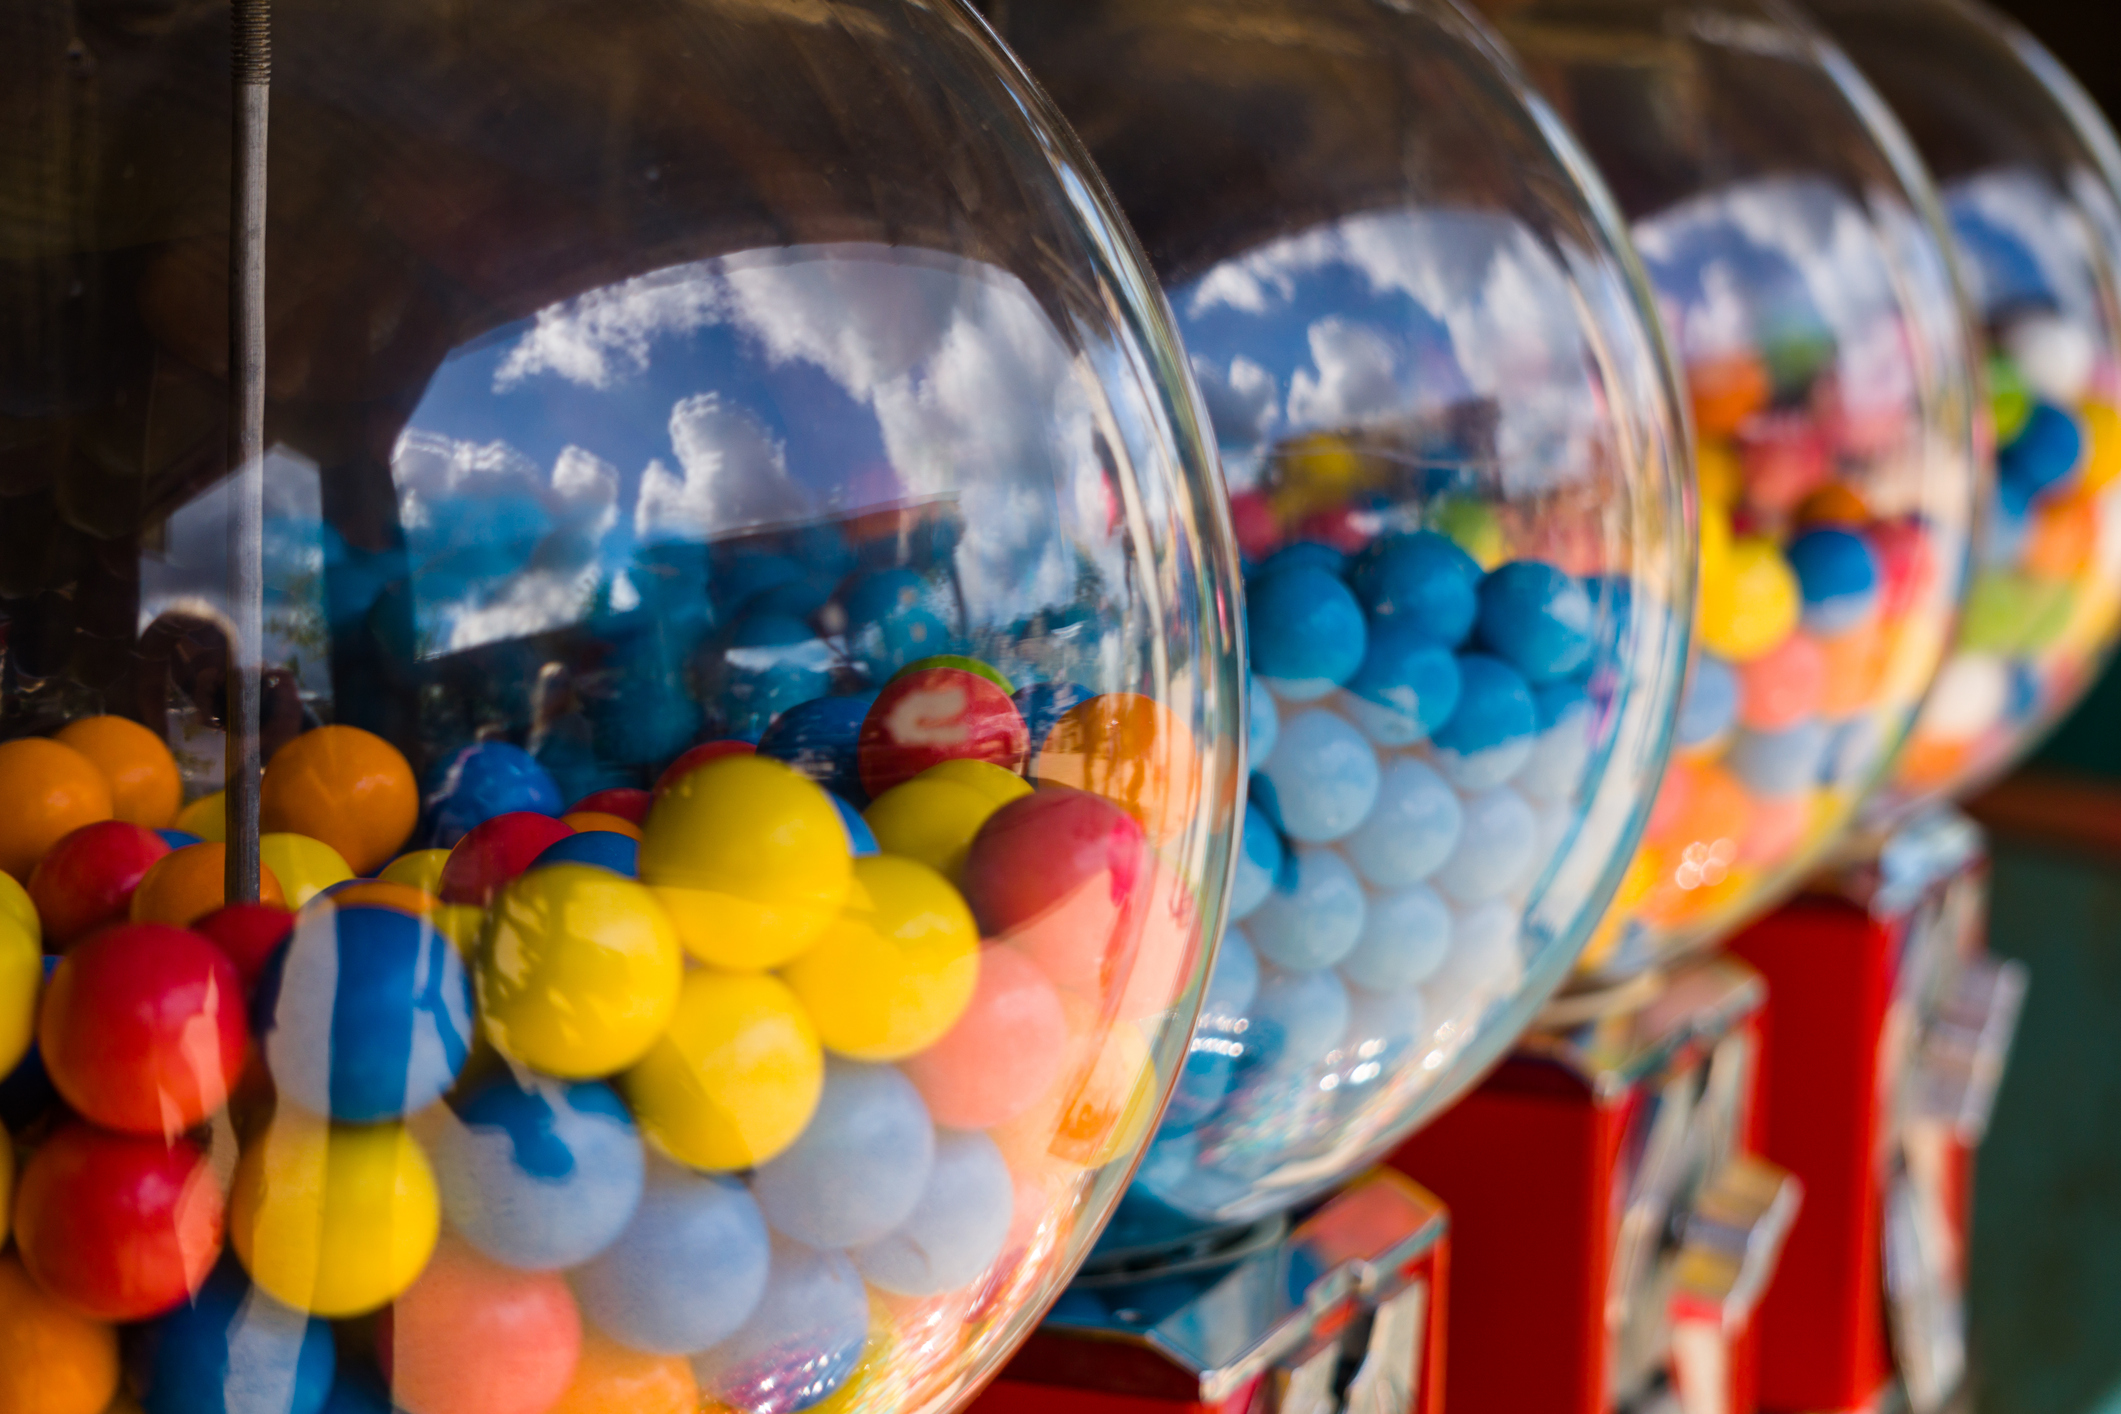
(142, 1028)
(1785, 459)
(87, 879)
(1907, 565)
(1055, 873)
(691, 761)
(250, 933)
(939, 714)
(118, 1227)
(474, 1337)
(495, 852)
(1258, 528)
(1348, 529)
(622, 801)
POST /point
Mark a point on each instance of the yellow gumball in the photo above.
(422, 869)
(304, 867)
(898, 968)
(1718, 473)
(750, 858)
(931, 819)
(206, 817)
(21, 973)
(333, 1219)
(996, 783)
(577, 970)
(2102, 425)
(7, 1181)
(15, 907)
(735, 1078)
(460, 923)
(1753, 605)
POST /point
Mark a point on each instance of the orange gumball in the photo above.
(1714, 816)
(1931, 761)
(349, 788)
(144, 786)
(2063, 536)
(586, 820)
(51, 1360)
(1855, 666)
(1132, 750)
(612, 1379)
(1776, 830)
(1834, 504)
(187, 884)
(47, 791)
(1726, 391)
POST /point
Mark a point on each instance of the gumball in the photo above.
(1055, 873)
(21, 974)
(1838, 576)
(897, 968)
(135, 763)
(1725, 390)
(47, 791)
(86, 880)
(142, 1028)
(577, 971)
(858, 1167)
(1537, 619)
(333, 1219)
(1422, 582)
(1297, 1017)
(931, 819)
(539, 1174)
(773, 662)
(1834, 505)
(304, 867)
(1473, 526)
(1261, 717)
(1856, 663)
(1407, 686)
(1971, 694)
(1260, 858)
(1132, 750)
(1752, 604)
(955, 1230)
(1562, 752)
(1044, 703)
(750, 860)
(692, 760)
(2064, 536)
(1775, 828)
(1313, 553)
(582, 821)
(688, 1270)
(599, 849)
(186, 884)
(1325, 777)
(495, 851)
(749, 574)
(374, 893)
(1411, 831)
(17, 907)
(474, 1337)
(178, 839)
(1786, 458)
(1490, 736)
(2046, 450)
(1783, 686)
(861, 840)
(796, 599)
(480, 782)
(734, 1078)
(1485, 961)
(1404, 939)
(248, 934)
(235, 1350)
(622, 801)
(1316, 920)
(1496, 848)
(206, 817)
(2056, 355)
(365, 1015)
(801, 1343)
(931, 715)
(117, 1227)
(420, 869)
(1005, 1051)
(1780, 763)
(609, 1378)
(349, 788)
(1219, 1035)
(1307, 631)
(52, 1359)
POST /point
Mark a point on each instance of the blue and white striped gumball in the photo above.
(1325, 776)
(1423, 580)
(600, 849)
(1495, 848)
(1490, 736)
(819, 738)
(1536, 618)
(687, 1272)
(1554, 770)
(1785, 763)
(1306, 631)
(1317, 919)
(957, 1228)
(803, 1340)
(1405, 937)
(869, 1121)
(1839, 574)
(1297, 1017)
(1411, 830)
(232, 1349)
(1407, 687)
(1260, 859)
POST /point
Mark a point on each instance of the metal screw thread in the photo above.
(251, 36)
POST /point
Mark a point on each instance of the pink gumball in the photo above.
(1782, 687)
(495, 852)
(932, 715)
(1785, 460)
(474, 1337)
(1166, 937)
(1004, 1053)
(1054, 874)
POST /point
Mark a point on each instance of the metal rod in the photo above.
(252, 54)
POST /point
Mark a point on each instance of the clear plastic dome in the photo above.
(2028, 172)
(1450, 435)
(750, 716)
(1801, 271)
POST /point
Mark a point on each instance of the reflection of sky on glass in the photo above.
(705, 399)
(2022, 244)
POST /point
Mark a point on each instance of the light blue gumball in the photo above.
(1496, 848)
(1407, 687)
(1489, 737)
(1219, 1036)
(869, 1122)
(861, 840)
(1412, 829)
(801, 1343)
(540, 1174)
(1263, 719)
(957, 1228)
(1404, 939)
(1784, 763)
(1316, 921)
(687, 1272)
(1325, 776)
(1710, 704)
(1260, 857)
(1300, 1017)
(1562, 751)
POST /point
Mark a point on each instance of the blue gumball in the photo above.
(357, 1393)
(642, 711)
(1314, 922)
(1710, 704)
(1260, 859)
(1838, 572)
(803, 1341)
(891, 621)
(483, 780)
(1219, 1036)
(1407, 687)
(1537, 619)
(1324, 774)
(861, 840)
(687, 1272)
(1043, 703)
(2043, 454)
(795, 599)
(602, 849)
(178, 839)
(881, 594)
(1405, 938)
(364, 1014)
(27, 1092)
(1313, 554)
(1412, 829)
(869, 1121)
(819, 738)
(957, 1228)
(1422, 581)
(233, 1350)
(772, 663)
(1490, 736)
(1784, 763)
(1307, 632)
(540, 1174)
(1262, 718)
(745, 576)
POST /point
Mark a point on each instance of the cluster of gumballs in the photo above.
(1420, 729)
(709, 1092)
(2046, 587)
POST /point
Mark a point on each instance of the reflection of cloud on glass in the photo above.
(2026, 245)
(605, 334)
(1242, 405)
(1356, 381)
(732, 474)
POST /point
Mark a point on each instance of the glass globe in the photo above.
(1801, 271)
(750, 711)
(1450, 435)
(2028, 171)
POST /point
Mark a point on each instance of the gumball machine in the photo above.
(622, 709)
(1451, 436)
(1804, 277)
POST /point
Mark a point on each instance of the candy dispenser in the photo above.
(1801, 271)
(702, 520)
